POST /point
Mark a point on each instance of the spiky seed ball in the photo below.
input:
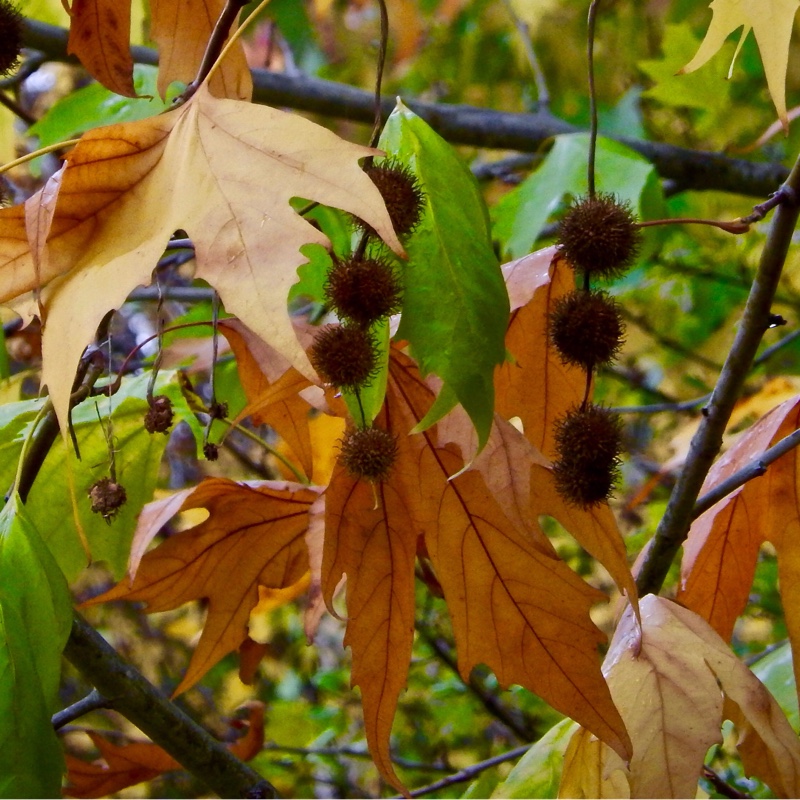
(10, 36)
(363, 290)
(368, 453)
(586, 328)
(159, 416)
(599, 237)
(211, 451)
(588, 443)
(107, 498)
(344, 355)
(400, 191)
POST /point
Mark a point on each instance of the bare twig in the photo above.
(351, 752)
(92, 702)
(707, 441)
(542, 93)
(592, 23)
(721, 786)
(462, 124)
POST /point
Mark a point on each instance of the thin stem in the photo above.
(15, 108)
(592, 95)
(734, 226)
(705, 446)
(350, 752)
(378, 124)
(51, 148)
(542, 93)
(92, 702)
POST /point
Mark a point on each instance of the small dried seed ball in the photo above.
(211, 451)
(344, 356)
(401, 193)
(159, 416)
(107, 498)
(363, 290)
(586, 328)
(588, 443)
(598, 236)
(10, 36)
(368, 453)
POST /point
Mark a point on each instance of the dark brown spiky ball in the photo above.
(589, 443)
(586, 328)
(211, 451)
(344, 355)
(368, 453)
(400, 191)
(107, 498)
(363, 289)
(599, 237)
(10, 36)
(159, 416)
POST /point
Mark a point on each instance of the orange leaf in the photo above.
(668, 679)
(536, 387)
(100, 36)
(137, 762)
(181, 31)
(254, 536)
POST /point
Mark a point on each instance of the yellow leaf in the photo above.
(771, 22)
(223, 171)
(668, 680)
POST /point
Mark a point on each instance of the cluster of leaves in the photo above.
(465, 503)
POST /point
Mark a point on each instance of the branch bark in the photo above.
(468, 125)
(674, 526)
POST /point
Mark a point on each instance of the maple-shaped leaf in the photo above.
(136, 762)
(223, 171)
(668, 679)
(181, 31)
(254, 536)
(535, 282)
(771, 22)
(515, 607)
(721, 551)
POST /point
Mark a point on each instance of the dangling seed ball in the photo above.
(363, 290)
(158, 418)
(368, 453)
(344, 356)
(211, 451)
(107, 498)
(586, 328)
(10, 36)
(401, 192)
(589, 443)
(599, 237)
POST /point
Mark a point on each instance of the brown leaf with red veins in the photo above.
(136, 762)
(536, 387)
(254, 536)
(100, 36)
(181, 30)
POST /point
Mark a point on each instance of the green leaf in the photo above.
(455, 304)
(538, 772)
(775, 671)
(370, 397)
(94, 105)
(35, 619)
(521, 215)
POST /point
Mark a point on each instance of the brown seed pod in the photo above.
(159, 416)
(363, 290)
(10, 36)
(401, 192)
(368, 453)
(211, 451)
(344, 355)
(107, 498)
(598, 236)
(586, 328)
(589, 443)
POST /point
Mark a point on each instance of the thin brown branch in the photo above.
(705, 446)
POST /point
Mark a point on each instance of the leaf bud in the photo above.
(586, 328)
(368, 453)
(598, 236)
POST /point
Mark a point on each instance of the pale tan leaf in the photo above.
(592, 769)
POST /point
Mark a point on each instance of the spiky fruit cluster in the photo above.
(10, 36)
(589, 443)
(159, 416)
(211, 451)
(107, 498)
(344, 356)
(598, 236)
(586, 328)
(401, 193)
(368, 453)
(363, 289)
